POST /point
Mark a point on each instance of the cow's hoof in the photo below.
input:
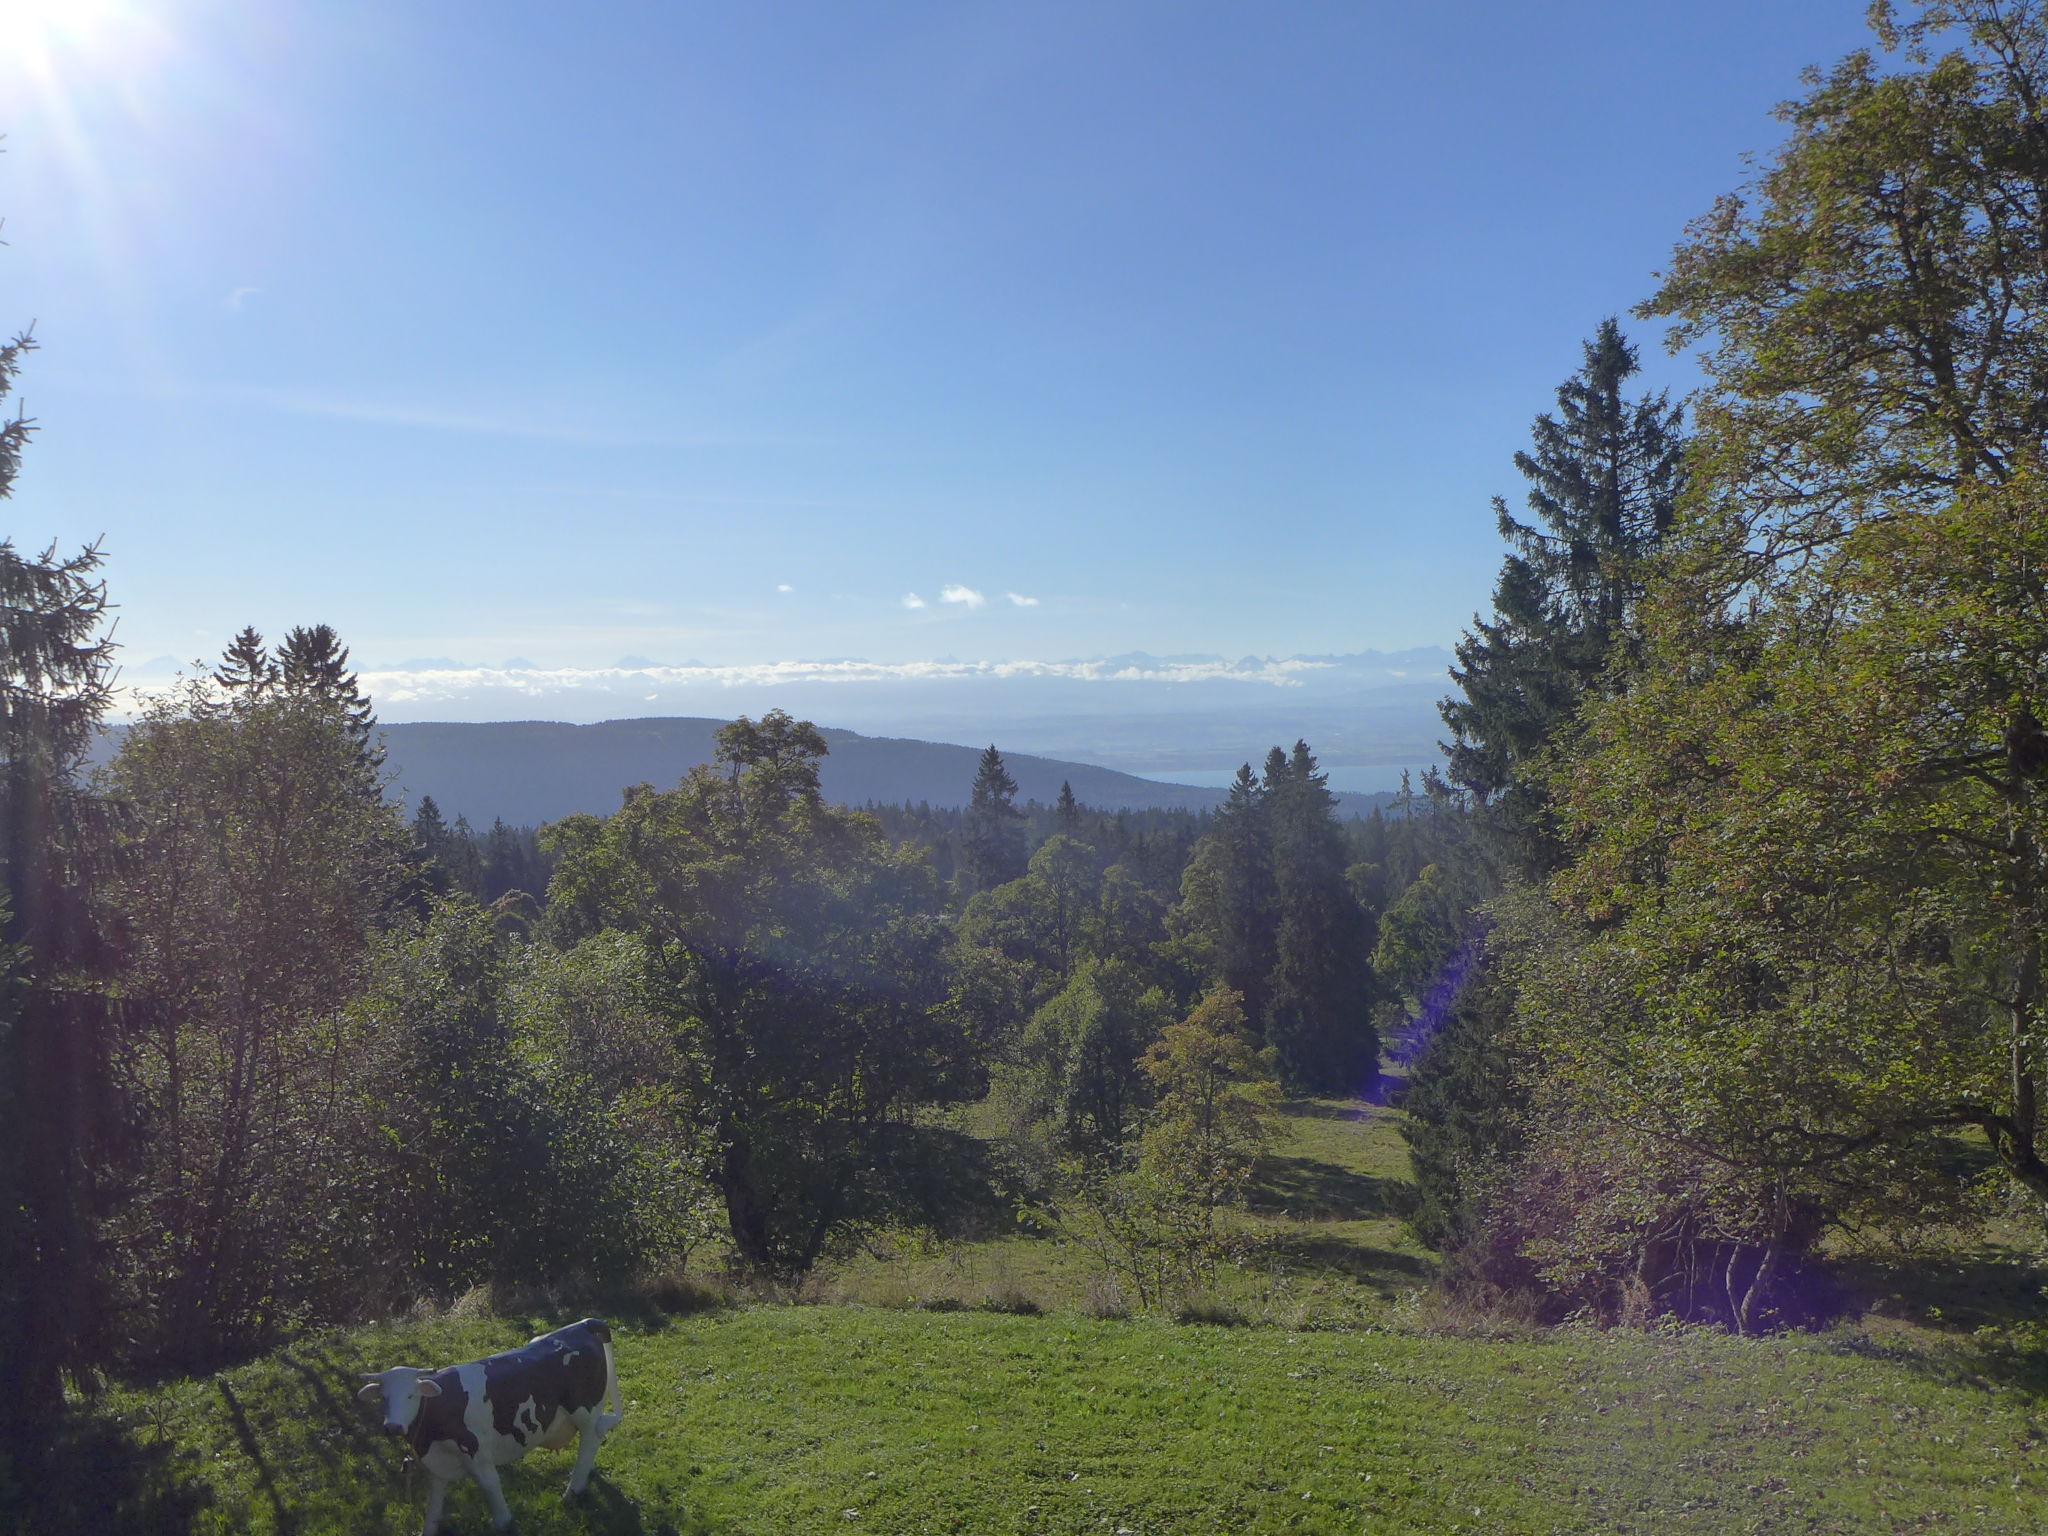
(574, 1495)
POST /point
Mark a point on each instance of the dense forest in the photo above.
(1720, 933)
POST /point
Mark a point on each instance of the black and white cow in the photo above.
(474, 1418)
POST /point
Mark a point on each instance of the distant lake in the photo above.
(1367, 780)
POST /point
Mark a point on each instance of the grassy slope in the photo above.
(781, 1419)
(787, 1419)
(1328, 1243)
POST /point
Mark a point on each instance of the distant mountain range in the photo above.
(1137, 712)
(532, 771)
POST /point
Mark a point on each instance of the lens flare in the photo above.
(63, 50)
(48, 35)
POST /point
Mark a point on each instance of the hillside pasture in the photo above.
(1323, 1243)
(968, 1390)
(779, 1419)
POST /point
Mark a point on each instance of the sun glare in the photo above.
(65, 37)
(71, 21)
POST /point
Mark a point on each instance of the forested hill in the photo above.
(527, 772)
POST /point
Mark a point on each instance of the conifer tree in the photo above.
(1318, 1017)
(1604, 475)
(1242, 850)
(313, 661)
(246, 664)
(1066, 811)
(993, 837)
(465, 862)
(505, 862)
(58, 1102)
(431, 841)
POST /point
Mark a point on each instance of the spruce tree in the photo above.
(1604, 476)
(1066, 811)
(1241, 844)
(58, 1103)
(246, 664)
(993, 835)
(1461, 1111)
(465, 861)
(58, 1100)
(1318, 1014)
(431, 840)
(504, 865)
(313, 661)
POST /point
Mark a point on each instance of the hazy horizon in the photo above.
(1181, 719)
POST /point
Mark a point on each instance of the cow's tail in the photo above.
(614, 1410)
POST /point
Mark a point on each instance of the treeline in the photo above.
(272, 1056)
(1752, 744)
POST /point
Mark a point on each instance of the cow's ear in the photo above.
(429, 1387)
(374, 1389)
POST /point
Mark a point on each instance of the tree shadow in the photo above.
(316, 1460)
(1312, 1189)
(350, 1424)
(94, 1474)
(1954, 1293)
(1325, 1109)
(1987, 1309)
(1328, 1254)
(1959, 1361)
(287, 1522)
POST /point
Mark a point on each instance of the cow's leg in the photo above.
(437, 1498)
(486, 1476)
(590, 1433)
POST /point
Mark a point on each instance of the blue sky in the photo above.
(713, 333)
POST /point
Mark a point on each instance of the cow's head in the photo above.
(400, 1390)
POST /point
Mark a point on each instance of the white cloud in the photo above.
(965, 596)
(783, 586)
(408, 690)
(912, 600)
(1021, 600)
(238, 296)
(404, 685)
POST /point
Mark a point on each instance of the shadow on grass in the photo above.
(285, 1520)
(355, 1451)
(1958, 1293)
(294, 1454)
(1324, 1109)
(1989, 1311)
(1987, 1364)
(95, 1475)
(1320, 1253)
(1310, 1188)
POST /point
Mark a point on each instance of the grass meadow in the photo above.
(977, 1390)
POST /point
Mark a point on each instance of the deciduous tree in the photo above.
(255, 864)
(800, 958)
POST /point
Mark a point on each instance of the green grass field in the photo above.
(1325, 1244)
(795, 1419)
(1339, 1410)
